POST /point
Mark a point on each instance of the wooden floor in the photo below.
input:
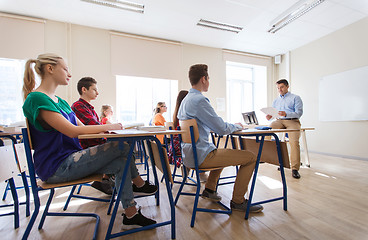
(328, 202)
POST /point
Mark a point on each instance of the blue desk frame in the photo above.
(260, 138)
(132, 140)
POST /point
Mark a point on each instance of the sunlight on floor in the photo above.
(324, 175)
(60, 205)
(270, 182)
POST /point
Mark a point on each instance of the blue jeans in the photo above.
(107, 158)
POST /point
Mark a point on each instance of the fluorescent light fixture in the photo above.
(294, 12)
(219, 26)
(124, 5)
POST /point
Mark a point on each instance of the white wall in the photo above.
(340, 51)
(87, 51)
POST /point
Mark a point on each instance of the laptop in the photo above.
(250, 118)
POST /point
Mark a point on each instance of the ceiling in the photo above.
(177, 20)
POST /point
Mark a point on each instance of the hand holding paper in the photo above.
(271, 111)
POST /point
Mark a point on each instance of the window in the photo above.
(136, 97)
(11, 96)
(246, 90)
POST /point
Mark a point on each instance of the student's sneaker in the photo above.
(103, 186)
(242, 207)
(147, 189)
(138, 220)
(211, 196)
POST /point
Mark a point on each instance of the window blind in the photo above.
(145, 57)
(21, 37)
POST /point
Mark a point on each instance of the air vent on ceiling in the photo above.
(124, 5)
(219, 26)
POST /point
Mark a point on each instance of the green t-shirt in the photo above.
(37, 101)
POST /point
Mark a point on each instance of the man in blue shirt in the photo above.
(197, 106)
(290, 107)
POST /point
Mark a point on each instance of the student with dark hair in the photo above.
(54, 127)
(177, 149)
(197, 106)
(87, 88)
(88, 91)
(290, 107)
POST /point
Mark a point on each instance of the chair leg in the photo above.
(16, 202)
(195, 205)
(79, 188)
(27, 193)
(46, 211)
(146, 166)
(36, 210)
(185, 175)
(71, 194)
(7, 188)
(174, 171)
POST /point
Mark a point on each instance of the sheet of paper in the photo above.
(271, 111)
(133, 125)
(152, 128)
(124, 131)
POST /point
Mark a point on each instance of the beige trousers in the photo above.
(293, 139)
(231, 157)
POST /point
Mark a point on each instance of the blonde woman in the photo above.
(106, 114)
(158, 119)
(51, 120)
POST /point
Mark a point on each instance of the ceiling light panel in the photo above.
(219, 26)
(293, 13)
(123, 5)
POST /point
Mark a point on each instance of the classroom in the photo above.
(328, 42)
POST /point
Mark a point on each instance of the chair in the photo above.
(191, 135)
(39, 185)
(156, 158)
(8, 171)
(169, 141)
(14, 138)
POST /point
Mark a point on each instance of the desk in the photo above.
(304, 144)
(262, 134)
(11, 135)
(132, 136)
(282, 138)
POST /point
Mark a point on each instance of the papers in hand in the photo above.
(271, 111)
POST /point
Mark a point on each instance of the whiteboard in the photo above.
(344, 96)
